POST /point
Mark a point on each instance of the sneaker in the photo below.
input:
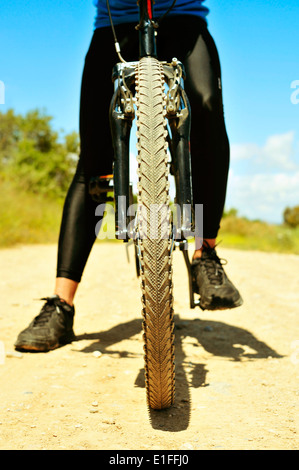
(216, 291)
(51, 328)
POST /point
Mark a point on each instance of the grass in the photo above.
(241, 233)
(27, 218)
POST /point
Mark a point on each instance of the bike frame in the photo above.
(178, 113)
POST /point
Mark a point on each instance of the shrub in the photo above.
(291, 216)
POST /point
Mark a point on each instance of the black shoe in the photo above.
(50, 329)
(216, 291)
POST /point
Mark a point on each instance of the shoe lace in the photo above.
(213, 265)
(46, 312)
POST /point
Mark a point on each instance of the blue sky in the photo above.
(43, 45)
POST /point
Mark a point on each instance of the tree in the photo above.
(34, 155)
(291, 216)
(9, 134)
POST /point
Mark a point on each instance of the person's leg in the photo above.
(194, 46)
(76, 237)
(209, 141)
(77, 233)
(66, 289)
(210, 165)
(54, 324)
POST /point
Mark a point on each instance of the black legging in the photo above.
(187, 38)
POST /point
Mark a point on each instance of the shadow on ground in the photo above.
(217, 338)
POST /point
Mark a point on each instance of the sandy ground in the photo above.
(236, 371)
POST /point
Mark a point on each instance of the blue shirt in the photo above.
(126, 11)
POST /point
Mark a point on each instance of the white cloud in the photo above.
(279, 150)
(263, 196)
(243, 151)
(278, 153)
(264, 179)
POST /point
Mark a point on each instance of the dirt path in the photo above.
(236, 371)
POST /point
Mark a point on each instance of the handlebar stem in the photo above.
(147, 30)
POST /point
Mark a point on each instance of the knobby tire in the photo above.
(154, 227)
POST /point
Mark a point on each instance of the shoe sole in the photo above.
(35, 347)
(41, 347)
(219, 304)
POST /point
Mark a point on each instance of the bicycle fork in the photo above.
(178, 112)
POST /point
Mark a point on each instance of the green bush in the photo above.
(291, 216)
(35, 156)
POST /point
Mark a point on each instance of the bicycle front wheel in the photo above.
(154, 227)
